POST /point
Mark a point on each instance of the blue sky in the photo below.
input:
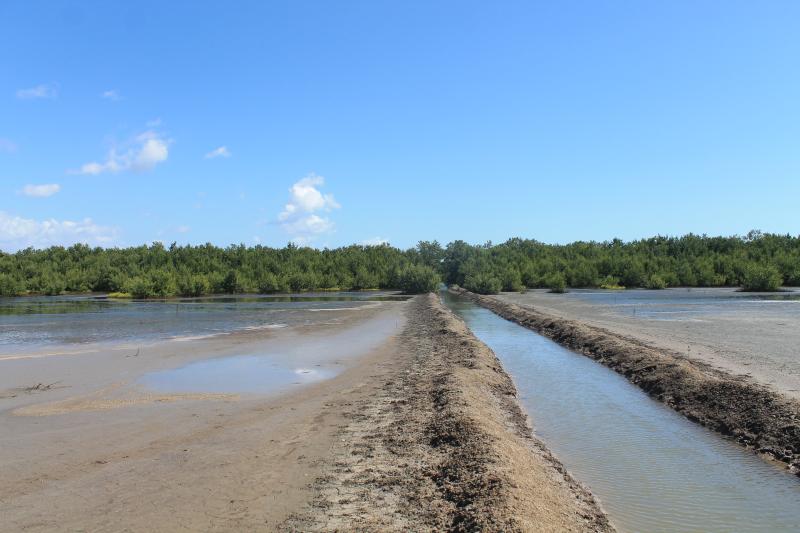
(330, 123)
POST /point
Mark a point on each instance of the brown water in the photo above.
(652, 469)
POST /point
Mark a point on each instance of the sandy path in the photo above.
(441, 444)
(762, 346)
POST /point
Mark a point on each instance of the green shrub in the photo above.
(656, 282)
(512, 280)
(195, 285)
(9, 286)
(139, 287)
(363, 279)
(611, 283)
(163, 284)
(303, 281)
(231, 283)
(269, 283)
(53, 284)
(482, 283)
(417, 279)
(556, 282)
(764, 278)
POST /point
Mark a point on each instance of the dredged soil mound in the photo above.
(749, 413)
(443, 445)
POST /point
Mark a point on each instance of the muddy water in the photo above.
(653, 470)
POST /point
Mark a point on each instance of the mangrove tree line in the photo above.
(159, 271)
(757, 261)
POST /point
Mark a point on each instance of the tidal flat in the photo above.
(755, 335)
(262, 424)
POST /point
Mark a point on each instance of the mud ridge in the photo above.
(751, 414)
(443, 445)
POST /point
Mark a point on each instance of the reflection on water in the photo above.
(239, 374)
(30, 323)
(652, 469)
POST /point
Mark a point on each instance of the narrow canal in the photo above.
(652, 469)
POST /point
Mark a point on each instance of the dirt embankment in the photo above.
(749, 413)
(442, 444)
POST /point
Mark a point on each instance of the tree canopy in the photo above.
(159, 271)
(757, 261)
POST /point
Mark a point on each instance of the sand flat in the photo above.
(762, 346)
(419, 431)
(93, 448)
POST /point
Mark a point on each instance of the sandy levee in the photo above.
(440, 443)
(419, 430)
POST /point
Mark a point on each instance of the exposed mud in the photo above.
(732, 406)
(443, 445)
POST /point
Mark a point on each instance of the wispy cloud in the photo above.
(141, 154)
(7, 145)
(299, 217)
(40, 91)
(41, 191)
(222, 151)
(17, 232)
(374, 241)
(110, 94)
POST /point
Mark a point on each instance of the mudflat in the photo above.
(84, 445)
(419, 429)
(761, 345)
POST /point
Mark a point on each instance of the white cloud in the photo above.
(183, 229)
(153, 151)
(41, 191)
(7, 145)
(305, 197)
(17, 232)
(156, 122)
(40, 91)
(111, 94)
(222, 151)
(299, 217)
(309, 225)
(141, 154)
(374, 241)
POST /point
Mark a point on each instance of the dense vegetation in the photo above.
(157, 272)
(755, 262)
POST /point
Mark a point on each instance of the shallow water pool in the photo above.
(237, 374)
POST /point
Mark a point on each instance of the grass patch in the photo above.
(126, 295)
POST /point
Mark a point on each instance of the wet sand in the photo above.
(98, 451)
(763, 347)
(420, 429)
